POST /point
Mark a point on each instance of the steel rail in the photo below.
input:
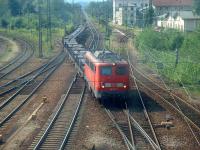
(190, 106)
(23, 87)
(30, 95)
(130, 127)
(94, 43)
(143, 132)
(177, 108)
(89, 23)
(166, 90)
(126, 140)
(186, 91)
(147, 116)
(26, 82)
(172, 106)
(27, 52)
(16, 58)
(137, 126)
(31, 72)
(13, 61)
(145, 110)
(39, 69)
(62, 146)
(57, 113)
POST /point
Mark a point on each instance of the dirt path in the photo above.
(8, 49)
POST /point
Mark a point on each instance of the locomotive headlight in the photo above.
(125, 86)
(102, 85)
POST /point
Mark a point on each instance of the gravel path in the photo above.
(96, 129)
(8, 49)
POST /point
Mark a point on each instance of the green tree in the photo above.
(196, 5)
(4, 23)
(15, 7)
(150, 16)
(3, 7)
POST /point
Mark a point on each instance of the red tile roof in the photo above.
(172, 2)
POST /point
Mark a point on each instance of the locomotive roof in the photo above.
(106, 56)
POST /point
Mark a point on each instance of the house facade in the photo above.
(182, 20)
(124, 11)
(167, 6)
(176, 14)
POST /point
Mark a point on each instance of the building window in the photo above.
(132, 8)
(131, 21)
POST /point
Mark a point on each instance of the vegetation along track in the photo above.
(56, 132)
(169, 100)
(10, 106)
(27, 52)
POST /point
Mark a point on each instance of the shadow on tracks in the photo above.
(133, 102)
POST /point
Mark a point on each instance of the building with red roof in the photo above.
(167, 6)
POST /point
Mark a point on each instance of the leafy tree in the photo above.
(15, 7)
(19, 23)
(196, 5)
(4, 23)
(101, 10)
(3, 7)
(149, 16)
(190, 47)
(168, 40)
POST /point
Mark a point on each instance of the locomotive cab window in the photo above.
(121, 70)
(106, 70)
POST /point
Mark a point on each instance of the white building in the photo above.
(124, 11)
(182, 20)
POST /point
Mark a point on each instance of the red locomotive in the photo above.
(106, 74)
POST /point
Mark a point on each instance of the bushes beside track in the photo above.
(158, 50)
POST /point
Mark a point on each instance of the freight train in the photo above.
(106, 73)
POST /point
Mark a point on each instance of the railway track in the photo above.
(12, 105)
(132, 133)
(18, 61)
(138, 109)
(169, 100)
(15, 84)
(95, 36)
(56, 132)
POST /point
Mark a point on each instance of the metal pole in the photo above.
(39, 30)
(49, 31)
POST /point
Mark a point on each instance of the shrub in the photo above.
(4, 23)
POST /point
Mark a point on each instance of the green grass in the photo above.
(32, 36)
(186, 71)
